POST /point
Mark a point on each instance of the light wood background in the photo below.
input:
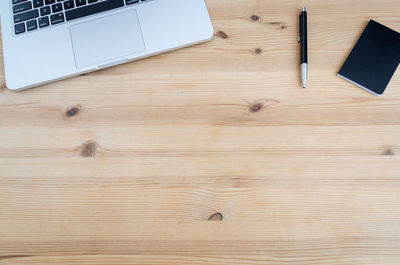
(212, 154)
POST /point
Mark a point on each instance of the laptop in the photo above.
(49, 40)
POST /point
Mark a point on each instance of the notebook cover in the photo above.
(374, 59)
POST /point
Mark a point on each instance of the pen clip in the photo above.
(298, 30)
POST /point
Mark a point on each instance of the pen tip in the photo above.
(304, 9)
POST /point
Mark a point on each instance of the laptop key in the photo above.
(17, 1)
(44, 11)
(57, 8)
(22, 7)
(80, 2)
(129, 2)
(93, 9)
(37, 3)
(19, 28)
(49, 2)
(31, 25)
(26, 16)
(69, 4)
(44, 22)
(57, 18)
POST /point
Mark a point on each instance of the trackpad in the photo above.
(106, 39)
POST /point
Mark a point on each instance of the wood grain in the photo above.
(212, 154)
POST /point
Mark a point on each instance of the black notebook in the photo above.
(374, 59)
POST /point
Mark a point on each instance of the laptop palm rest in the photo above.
(107, 39)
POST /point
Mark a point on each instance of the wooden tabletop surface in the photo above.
(213, 154)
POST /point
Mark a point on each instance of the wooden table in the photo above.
(212, 154)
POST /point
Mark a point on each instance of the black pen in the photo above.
(302, 38)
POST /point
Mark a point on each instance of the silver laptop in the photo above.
(49, 40)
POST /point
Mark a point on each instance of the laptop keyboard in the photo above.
(31, 15)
